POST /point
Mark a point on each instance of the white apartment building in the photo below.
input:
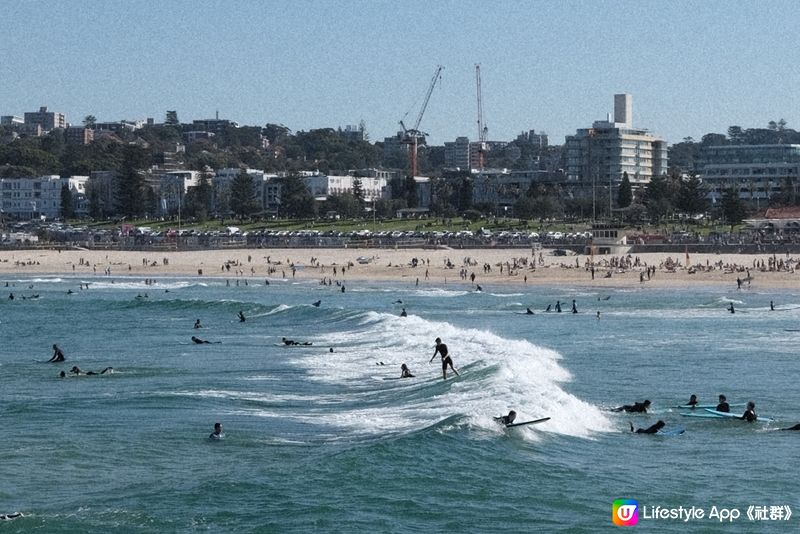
(609, 149)
(30, 198)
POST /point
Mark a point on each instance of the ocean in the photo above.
(321, 441)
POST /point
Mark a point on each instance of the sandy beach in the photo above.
(433, 267)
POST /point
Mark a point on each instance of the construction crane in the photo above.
(483, 130)
(412, 136)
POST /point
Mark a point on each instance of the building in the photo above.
(48, 120)
(353, 133)
(267, 190)
(757, 172)
(457, 153)
(394, 147)
(11, 121)
(31, 198)
(118, 127)
(215, 125)
(171, 188)
(80, 202)
(531, 137)
(322, 186)
(79, 135)
(603, 154)
(101, 189)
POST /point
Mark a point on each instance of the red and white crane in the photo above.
(411, 136)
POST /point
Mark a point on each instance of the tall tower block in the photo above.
(623, 109)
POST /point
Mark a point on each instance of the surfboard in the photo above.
(708, 406)
(535, 421)
(715, 413)
(671, 431)
(703, 414)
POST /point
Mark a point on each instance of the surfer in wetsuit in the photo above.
(651, 429)
(77, 371)
(403, 313)
(58, 354)
(574, 307)
(549, 306)
(528, 311)
(692, 401)
(441, 349)
(217, 433)
(636, 407)
(795, 427)
(507, 419)
(723, 405)
(292, 342)
(241, 316)
(731, 308)
(199, 341)
(749, 414)
(405, 372)
(197, 324)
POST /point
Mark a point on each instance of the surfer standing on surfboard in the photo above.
(441, 349)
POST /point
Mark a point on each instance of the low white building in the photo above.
(30, 198)
(322, 186)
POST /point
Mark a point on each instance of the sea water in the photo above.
(320, 441)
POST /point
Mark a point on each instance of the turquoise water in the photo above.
(319, 441)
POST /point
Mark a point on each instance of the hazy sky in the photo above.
(692, 67)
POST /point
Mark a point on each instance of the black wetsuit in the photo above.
(653, 429)
(750, 416)
(636, 407)
(441, 348)
(723, 407)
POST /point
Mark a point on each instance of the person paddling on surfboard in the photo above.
(723, 405)
(58, 355)
(507, 419)
(636, 407)
(441, 349)
(649, 430)
(749, 414)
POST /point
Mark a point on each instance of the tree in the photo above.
(625, 193)
(296, 199)
(243, 201)
(89, 121)
(735, 134)
(358, 195)
(691, 197)
(172, 119)
(130, 197)
(200, 197)
(733, 209)
(657, 198)
(67, 209)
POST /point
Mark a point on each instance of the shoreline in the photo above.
(433, 267)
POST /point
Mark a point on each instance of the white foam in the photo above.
(498, 375)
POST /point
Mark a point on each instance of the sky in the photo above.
(693, 67)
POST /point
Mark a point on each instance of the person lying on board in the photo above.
(507, 419)
(795, 427)
(636, 407)
(292, 342)
(649, 430)
(201, 341)
(77, 371)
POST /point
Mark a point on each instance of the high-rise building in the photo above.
(603, 154)
(456, 153)
(48, 120)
